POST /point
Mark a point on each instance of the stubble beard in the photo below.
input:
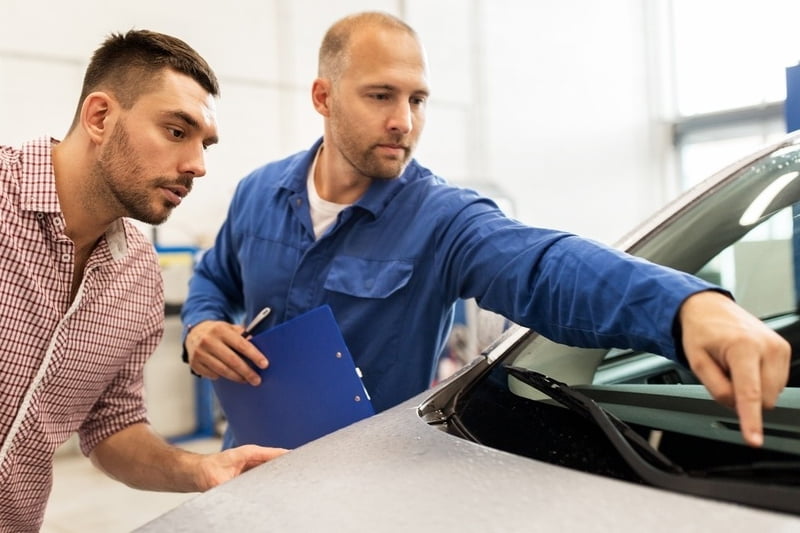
(368, 164)
(382, 168)
(114, 174)
(366, 161)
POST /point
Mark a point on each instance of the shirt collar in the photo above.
(37, 180)
(117, 239)
(374, 200)
(38, 191)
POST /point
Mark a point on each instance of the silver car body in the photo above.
(398, 471)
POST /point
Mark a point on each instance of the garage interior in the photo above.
(583, 116)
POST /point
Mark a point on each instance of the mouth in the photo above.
(175, 193)
(393, 149)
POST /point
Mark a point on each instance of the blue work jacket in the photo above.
(394, 263)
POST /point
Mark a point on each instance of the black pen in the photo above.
(264, 313)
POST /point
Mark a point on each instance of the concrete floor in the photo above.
(84, 500)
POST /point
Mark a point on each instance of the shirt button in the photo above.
(298, 202)
(40, 215)
(66, 258)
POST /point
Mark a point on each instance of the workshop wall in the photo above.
(548, 106)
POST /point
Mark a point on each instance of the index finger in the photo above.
(249, 352)
(745, 371)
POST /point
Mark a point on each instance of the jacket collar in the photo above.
(375, 200)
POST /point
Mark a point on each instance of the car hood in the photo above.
(394, 472)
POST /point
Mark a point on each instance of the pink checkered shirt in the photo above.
(64, 366)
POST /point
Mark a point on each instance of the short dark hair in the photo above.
(131, 64)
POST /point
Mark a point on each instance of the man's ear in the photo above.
(96, 114)
(320, 94)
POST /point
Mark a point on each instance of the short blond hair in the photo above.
(334, 53)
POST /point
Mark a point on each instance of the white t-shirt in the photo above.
(323, 212)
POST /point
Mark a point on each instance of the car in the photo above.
(534, 435)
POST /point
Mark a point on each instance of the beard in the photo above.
(119, 178)
(362, 156)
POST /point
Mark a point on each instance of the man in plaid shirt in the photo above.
(81, 286)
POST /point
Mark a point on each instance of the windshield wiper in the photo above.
(654, 467)
(621, 435)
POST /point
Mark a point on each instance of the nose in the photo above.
(401, 119)
(194, 162)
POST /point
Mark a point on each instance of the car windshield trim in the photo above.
(655, 468)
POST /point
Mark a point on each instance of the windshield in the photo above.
(740, 231)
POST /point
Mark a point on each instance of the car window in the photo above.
(759, 268)
(742, 232)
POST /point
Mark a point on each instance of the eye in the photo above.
(379, 96)
(176, 133)
(418, 100)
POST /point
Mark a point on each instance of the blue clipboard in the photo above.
(311, 387)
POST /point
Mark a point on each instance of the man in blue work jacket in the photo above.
(356, 223)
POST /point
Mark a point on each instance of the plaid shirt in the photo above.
(65, 366)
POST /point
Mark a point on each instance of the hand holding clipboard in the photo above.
(310, 388)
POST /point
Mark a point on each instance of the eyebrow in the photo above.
(192, 123)
(390, 87)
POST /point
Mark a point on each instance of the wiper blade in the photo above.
(610, 425)
(646, 460)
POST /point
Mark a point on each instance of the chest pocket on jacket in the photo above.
(368, 278)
